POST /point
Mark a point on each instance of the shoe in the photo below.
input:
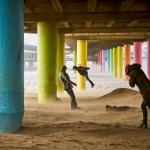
(93, 85)
(74, 106)
(143, 125)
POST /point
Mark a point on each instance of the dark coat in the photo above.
(65, 79)
(82, 70)
(138, 77)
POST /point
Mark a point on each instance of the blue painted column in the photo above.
(108, 60)
(11, 65)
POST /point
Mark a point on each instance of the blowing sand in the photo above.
(55, 127)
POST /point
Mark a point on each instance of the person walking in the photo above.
(68, 86)
(83, 71)
(138, 77)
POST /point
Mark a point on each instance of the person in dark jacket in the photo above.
(68, 85)
(138, 77)
(83, 71)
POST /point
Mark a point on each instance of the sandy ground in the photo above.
(55, 126)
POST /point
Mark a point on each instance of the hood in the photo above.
(136, 66)
(128, 69)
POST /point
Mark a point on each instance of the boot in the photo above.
(92, 85)
(74, 105)
(143, 125)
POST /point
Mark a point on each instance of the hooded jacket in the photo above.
(138, 77)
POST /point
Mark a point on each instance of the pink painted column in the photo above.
(99, 59)
(138, 52)
(148, 58)
(103, 60)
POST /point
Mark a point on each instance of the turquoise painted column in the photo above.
(108, 60)
(115, 62)
(111, 60)
(11, 65)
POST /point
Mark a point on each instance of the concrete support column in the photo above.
(138, 52)
(115, 62)
(148, 58)
(81, 60)
(99, 61)
(60, 59)
(11, 65)
(108, 60)
(120, 62)
(98, 57)
(111, 60)
(103, 60)
(126, 59)
(46, 61)
(75, 58)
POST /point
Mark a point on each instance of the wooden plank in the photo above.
(91, 8)
(110, 23)
(126, 4)
(94, 16)
(109, 37)
(91, 5)
(106, 30)
(58, 8)
(132, 23)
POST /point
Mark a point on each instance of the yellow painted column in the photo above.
(46, 61)
(81, 60)
(60, 59)
(120, 62)
(126, 59)
(115, 62)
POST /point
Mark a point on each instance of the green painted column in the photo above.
(120, 62)
(46, 61)
(74, 58)
(60, 59)
(115, 62)
(111, 60)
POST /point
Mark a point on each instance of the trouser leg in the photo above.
(87, 78)
(73, 99)
(144, 110)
